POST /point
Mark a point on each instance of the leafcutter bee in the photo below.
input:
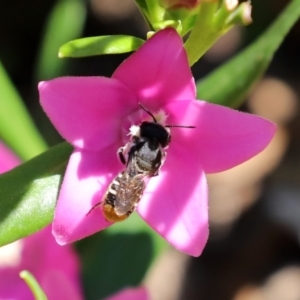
(122, 196)
(142, 156)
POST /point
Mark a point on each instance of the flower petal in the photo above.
(59, 287)
(223, 137)
(52, 256)
(158, 72)
(12, 286)
(87, 111)
(175, 202)
(52, 265)
(86, 180)
(8, 159)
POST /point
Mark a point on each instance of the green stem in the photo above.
(203, 34)
(221, 15)
(33, 285)
(229, 84)
(155, 11)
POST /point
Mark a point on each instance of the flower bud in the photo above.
(241, 16)
(231, 4)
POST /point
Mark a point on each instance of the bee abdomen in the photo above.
(111, 194)
(110, 213)
(109, 201)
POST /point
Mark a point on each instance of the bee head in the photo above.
(155, 133)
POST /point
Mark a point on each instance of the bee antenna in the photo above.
(147, 111)
(182, 126)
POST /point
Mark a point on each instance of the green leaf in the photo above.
(17, 128)
(29, 192)
(135, 224)
(112, 262)
(33, 285)
(64, 23)
(119, 256)
(143, 6)
(229, 84)
(108, 44)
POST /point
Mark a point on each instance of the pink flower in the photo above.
(94, 114)
(55, 268)
(8, 160)
(139, 293)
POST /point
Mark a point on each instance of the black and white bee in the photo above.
(143, 157)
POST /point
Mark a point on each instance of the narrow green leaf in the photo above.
(112, 262)
(64, 23)
(28, 193)
(143, 7)
(108, 44)
(17, 128)
(102, 262)
(142, 4)
(229, 84)
(33, 285)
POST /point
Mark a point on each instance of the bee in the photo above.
(122, 196)
(143, 157)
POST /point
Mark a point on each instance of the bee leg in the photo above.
(95, 206)
(156, 173)
(131, 210)
(156, 168)
(135, 206)
(121, 155)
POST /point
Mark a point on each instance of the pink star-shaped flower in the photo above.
(55, 268)
(94, 114)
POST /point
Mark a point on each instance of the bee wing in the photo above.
(129, 193)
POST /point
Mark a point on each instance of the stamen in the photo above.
(134, 130)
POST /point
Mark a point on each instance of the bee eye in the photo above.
(168, 140)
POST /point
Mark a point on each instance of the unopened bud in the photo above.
(231, 4)
(241, 16)
(247, 9)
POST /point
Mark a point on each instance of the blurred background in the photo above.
(253, 251)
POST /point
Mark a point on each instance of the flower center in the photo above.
(137, 117)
